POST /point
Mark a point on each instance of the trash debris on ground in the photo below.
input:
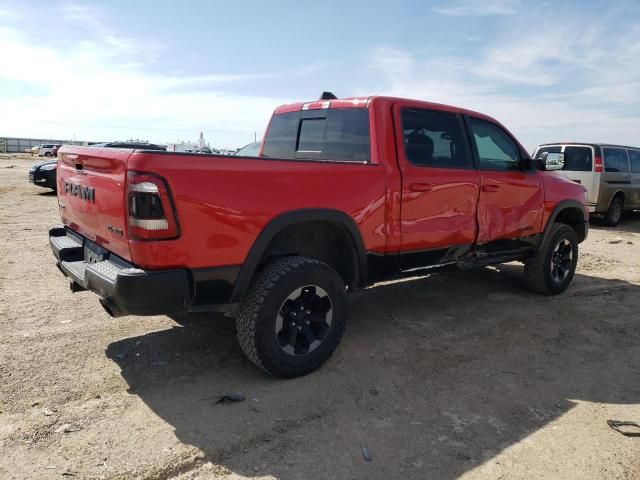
(373, 391)
(158, 363)
(615, 241)
(48, 412)
(366, 454)
(228, 399)
(617, 425)
(68, 428)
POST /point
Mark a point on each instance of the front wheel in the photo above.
(551, 269)
(293, 316)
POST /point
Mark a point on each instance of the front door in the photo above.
(511, 199)
(440, 186)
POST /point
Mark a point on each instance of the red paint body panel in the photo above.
(104, 169)
(222, 203)
(510, 206)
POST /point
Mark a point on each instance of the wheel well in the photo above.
(575, 219)
(329, 242)
(618, 194)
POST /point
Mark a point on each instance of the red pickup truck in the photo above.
(344, 193)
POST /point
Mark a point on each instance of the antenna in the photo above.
(328, 96)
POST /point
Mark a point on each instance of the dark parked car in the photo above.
(43, 174)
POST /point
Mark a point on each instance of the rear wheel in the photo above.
(614, 214)
(48, 154)
(293, 316)
(551, 269)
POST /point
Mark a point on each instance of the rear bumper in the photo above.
(123, 288)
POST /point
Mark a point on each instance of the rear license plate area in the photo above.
(94, 253)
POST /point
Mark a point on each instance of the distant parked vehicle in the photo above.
(609, 173)
(46, 149)
(43, 174)
(250, 150)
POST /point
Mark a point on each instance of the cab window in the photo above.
(496, 150)
(434, 139)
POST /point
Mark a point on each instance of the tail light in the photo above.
(597, 166)
(151, 211)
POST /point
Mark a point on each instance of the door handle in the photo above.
(420, 187)
(490, 188)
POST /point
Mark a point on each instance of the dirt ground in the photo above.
(455, 375)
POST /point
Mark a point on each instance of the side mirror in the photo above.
(552, 161)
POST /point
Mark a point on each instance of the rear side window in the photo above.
(434, 139)
(634, 158)
(578, 159)
(496, 150)
(340, 134)
(615, 160)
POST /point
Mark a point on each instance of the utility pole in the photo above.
(255, 136)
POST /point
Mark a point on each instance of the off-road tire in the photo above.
(614, 213)
(538, 270)
(256, 317)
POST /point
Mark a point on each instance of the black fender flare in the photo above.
(286, 219)
(559, 208)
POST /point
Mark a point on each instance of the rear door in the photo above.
(91, 195)
(617, 175)
(511, 199)
(439, 185)
(634, 160)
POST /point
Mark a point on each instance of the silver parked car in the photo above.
(609, 173)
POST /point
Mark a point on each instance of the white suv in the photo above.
(46, 149)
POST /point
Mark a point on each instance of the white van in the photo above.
(610, 174)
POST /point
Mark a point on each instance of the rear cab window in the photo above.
(339, 134)
(616, 160)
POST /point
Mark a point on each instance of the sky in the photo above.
(164, 71)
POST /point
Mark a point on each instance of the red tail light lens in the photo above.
(151, 211)
(597, 166)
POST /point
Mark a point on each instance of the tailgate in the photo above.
(91, 194)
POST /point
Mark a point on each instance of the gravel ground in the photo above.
(453, 375)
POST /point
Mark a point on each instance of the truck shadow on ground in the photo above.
(434, 376)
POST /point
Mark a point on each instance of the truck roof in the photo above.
(589, 144)
(364, 102)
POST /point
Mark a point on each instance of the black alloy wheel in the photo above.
(304, 320)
